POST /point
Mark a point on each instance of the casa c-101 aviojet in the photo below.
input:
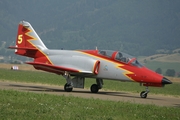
(76, 65)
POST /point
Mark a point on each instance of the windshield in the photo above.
(136, 63)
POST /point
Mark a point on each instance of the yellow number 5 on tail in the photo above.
(20, 39)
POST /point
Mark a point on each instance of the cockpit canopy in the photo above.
(120, 56)
(123, 57)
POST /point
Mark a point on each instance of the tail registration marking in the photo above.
(20, 39)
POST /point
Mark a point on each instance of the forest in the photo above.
(140, 28)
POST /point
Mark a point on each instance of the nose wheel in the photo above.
(143, 94)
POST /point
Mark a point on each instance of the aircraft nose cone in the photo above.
(166, 81)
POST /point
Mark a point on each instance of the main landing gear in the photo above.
(68, 87)
(143, 94)
(95, 87)
(78, 82)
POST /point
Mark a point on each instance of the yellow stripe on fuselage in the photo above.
(117, 65)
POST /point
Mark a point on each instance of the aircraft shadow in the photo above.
(47, 89)
(177, 105)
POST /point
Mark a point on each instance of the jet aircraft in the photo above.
(76, 65)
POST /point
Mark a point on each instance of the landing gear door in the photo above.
(78, 82)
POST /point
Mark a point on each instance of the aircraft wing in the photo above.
(58, 69)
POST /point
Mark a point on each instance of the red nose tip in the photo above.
(166, 81)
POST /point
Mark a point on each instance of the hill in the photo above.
(163, 61)
(136, 27)
(175, 57)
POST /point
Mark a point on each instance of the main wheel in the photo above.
(94, 88)
(143, 94)
(68, 88)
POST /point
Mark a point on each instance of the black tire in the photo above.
(94, 88)
(68, 88)
(143, 94)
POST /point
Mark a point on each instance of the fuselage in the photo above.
(114, 65)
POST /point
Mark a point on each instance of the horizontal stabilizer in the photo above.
(22, 48)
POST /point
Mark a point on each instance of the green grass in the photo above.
(28, 106)
(31, 76)
(53, 79)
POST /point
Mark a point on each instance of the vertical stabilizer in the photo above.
(28, 43)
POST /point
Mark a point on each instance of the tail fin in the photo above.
(28, 42)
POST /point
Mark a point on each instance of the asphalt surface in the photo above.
(159, 100)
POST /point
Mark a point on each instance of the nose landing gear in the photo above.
(143, 94)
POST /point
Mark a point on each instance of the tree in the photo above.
(159, 70)
(145, 61)
(170, 72)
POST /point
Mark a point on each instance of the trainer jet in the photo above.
(77, 65)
